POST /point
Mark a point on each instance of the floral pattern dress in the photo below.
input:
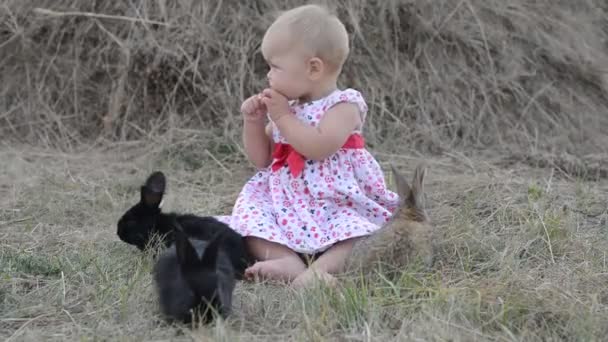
(341, 197)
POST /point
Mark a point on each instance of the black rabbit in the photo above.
(195, 279)
(142, 222)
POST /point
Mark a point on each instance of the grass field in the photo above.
(522, 255)
(507, 102)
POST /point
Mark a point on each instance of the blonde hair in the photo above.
(315, 29)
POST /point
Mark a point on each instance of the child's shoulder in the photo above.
(348, 95)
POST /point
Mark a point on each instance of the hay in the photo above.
(438, 75)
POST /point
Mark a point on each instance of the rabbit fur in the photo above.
(409, 234)
(195, 279)
(145, 221)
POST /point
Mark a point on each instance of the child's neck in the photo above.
(320, 90)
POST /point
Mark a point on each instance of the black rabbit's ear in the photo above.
(209, 258)
(224, 292)
(156, 182)
(186, 254)
(152, 192)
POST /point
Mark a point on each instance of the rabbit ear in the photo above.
(209, 258)
(152, 192)
(224, 292)
(403, 188)
(416, 196)
(186, 254)
(156, 182)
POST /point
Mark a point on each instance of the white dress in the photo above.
(341, 197)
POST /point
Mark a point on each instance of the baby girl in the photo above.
(317, 189)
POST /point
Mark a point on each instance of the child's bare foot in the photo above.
(332, 261)
(308, 277)
(283, 269)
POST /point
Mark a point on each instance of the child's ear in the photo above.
(316, 68)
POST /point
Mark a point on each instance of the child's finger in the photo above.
(250, 275)
(259, 103)
(268, 92)
(248, 109)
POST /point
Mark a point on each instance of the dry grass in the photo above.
(522, 255)
(506, 99)
(439, 75)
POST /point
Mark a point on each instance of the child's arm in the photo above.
(316, 143)
(257, 143)
(257, 136)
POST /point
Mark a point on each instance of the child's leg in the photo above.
(277, 262)
(330, 262)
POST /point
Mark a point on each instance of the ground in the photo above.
(522, 254)
(506, 102)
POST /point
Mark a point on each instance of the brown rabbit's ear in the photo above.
(416, 197)
(152, 192)
(403, 188)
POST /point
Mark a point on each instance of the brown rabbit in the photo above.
(408, 235)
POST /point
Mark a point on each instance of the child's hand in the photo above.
(253, 109)
(276, 104)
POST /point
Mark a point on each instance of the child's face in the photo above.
(288, 75)
(289, 72)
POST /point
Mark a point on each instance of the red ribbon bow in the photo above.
(284, 154)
